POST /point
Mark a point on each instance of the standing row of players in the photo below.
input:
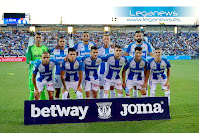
(108, 59)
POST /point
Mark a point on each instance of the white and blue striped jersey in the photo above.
(45, 71)
(146, 49)
(72, 69)
(83, 49)
(158, 69)
(135, 68)
(114, 66)
(91, 67)
(102, 53)
(59, 54)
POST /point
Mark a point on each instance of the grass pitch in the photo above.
(184, 106)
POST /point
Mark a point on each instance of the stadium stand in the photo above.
(14, 43)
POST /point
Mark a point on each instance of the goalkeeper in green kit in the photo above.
(33, 54)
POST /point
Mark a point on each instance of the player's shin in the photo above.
(135, 93)
(128, 92)
(146, 95)
(79, 95)
(65, 95)
(112, 92)
(152, 93)
(167, 94)
(88, 96)
(94, 94)
(50, 93)
(101, 92)
(106, 93)
(43, 95)
(57, 92)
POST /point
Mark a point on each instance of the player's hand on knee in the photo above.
(144, 86)
(36, 93)
(64, 90)
(143, 91)
(168, 85)
(79, 88)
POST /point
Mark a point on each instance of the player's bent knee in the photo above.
(120, 91)
(88, 94)
(106, 91)
(128, 94)
(112, 88)
(101, 87)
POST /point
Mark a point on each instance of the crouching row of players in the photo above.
(71, 74)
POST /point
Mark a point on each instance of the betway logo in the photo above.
(142, 108)
(56, 110)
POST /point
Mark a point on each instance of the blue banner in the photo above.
(15, 21)
(95, 110)
(175, 57)
(154, 11)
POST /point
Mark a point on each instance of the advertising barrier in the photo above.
(175, 57)
(12, 59)
(95, 110)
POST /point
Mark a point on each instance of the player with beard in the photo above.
(84, 47)
(146, 49)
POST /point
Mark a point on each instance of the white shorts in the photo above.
(94, 85)
(101, 80)
(72, 85)
(57, 81)
(117, 83)
(49, 86)
(153, 84)
(137, 83)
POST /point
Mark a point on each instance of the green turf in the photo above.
(184, 106)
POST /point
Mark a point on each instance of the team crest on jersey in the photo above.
(143, 47)
(104, 110)
(111, 51)
(162, 66)
(50, 67)
(98, 62)
(142, 64)
(153, 67)
(121, 62)
(76, 66)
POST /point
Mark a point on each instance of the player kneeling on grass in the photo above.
(91, 64)
(157, 66)
(71, 74)
(112, 74)
(44, 67)
(136, 65)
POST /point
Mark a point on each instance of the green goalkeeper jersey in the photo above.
(35, 53)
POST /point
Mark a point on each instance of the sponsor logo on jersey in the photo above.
(104, 110)
(37, 55)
